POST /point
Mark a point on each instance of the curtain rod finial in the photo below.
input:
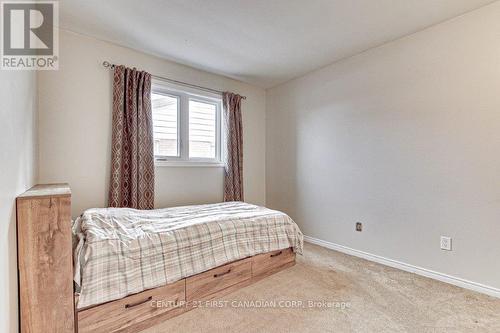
(107, 64)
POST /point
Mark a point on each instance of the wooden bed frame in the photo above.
(46, 296)
(148, 308)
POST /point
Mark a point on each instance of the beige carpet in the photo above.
(376, 299)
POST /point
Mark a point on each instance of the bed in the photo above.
(125, 258)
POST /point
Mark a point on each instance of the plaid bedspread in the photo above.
(121, 251)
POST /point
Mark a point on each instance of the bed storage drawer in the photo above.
(204, 284)
(268, 263)
(120, 314)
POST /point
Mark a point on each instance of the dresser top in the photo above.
(46, 190)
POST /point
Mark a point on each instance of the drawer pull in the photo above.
(276, 254)
(128, 306)
(221, 274)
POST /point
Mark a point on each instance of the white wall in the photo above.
(406, 139)
(17, 174)
(75, 127)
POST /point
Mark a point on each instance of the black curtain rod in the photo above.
(107, 64)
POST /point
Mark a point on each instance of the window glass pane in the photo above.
(165, 124)
(202, 129)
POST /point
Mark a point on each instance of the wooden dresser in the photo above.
(45, 259)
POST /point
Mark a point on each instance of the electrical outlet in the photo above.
(359, 226)
(445, 243)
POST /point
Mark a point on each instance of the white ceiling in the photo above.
(262, 42)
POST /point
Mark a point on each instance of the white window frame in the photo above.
(184, 95)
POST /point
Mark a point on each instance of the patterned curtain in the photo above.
(132, 153)
(233, 175)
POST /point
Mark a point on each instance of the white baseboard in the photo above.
(495, 292)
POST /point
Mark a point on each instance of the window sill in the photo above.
(185, 164)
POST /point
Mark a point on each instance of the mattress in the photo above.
(122, 251)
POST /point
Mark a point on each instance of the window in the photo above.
(186, 126)
(165, 124)
(202, 129)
